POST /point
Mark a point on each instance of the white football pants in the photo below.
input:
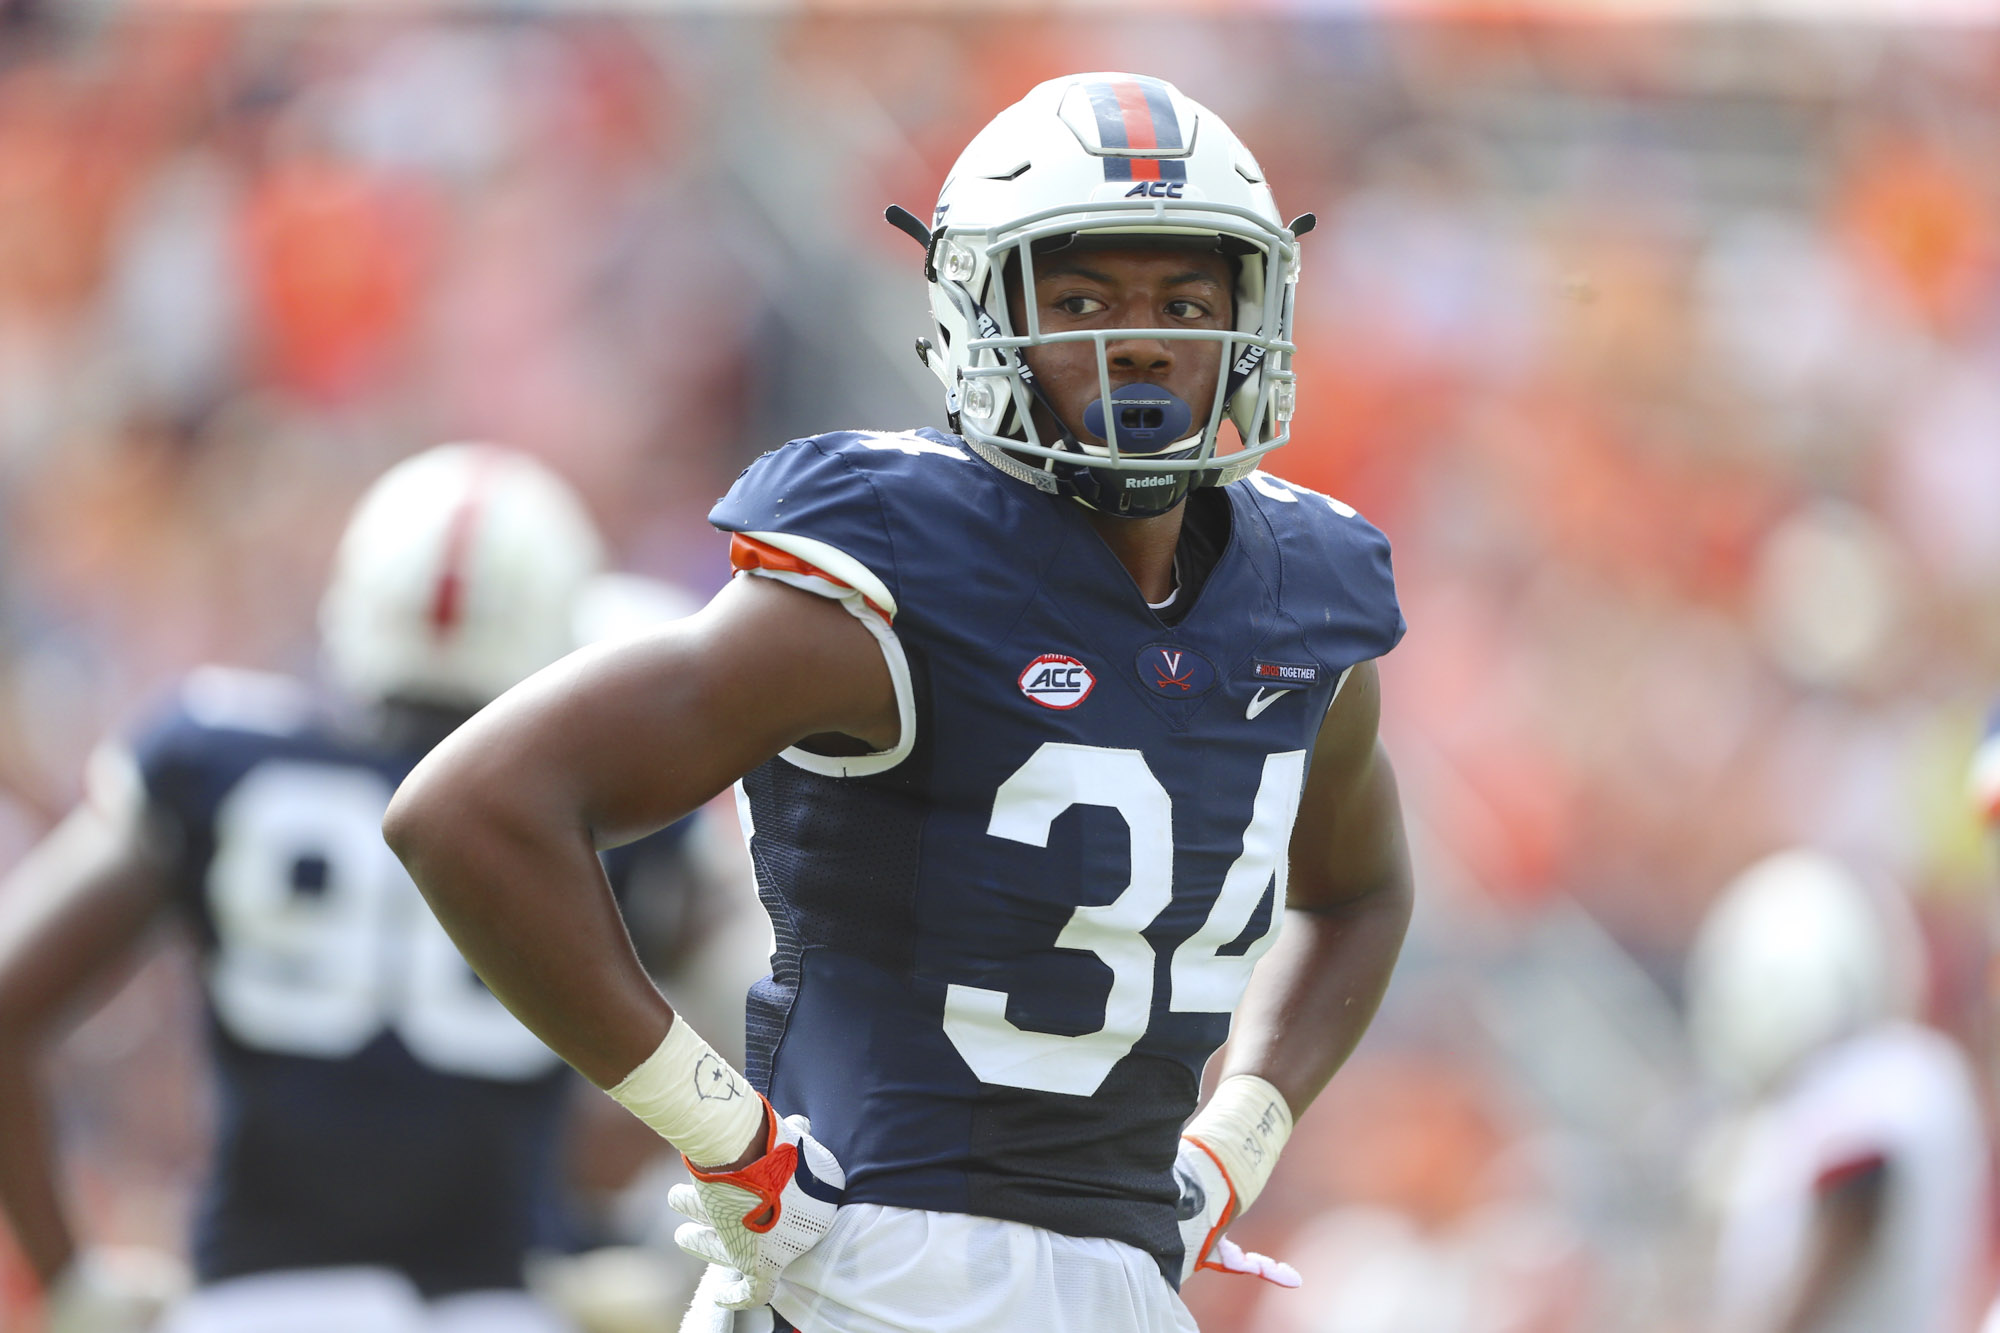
(901, 1270)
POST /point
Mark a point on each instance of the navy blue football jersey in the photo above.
(376, 1104)
(1006, 949)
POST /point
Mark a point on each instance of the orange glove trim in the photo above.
(766, 1177)
(1222, 1222)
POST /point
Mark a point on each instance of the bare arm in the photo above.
(500, 824)
(1347, 907)
(70, 915)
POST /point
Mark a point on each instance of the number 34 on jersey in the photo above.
(1203, 979)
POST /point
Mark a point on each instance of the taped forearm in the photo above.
(694, 1099)
(1244, 1127)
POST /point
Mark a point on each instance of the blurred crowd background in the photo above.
(1668, 355)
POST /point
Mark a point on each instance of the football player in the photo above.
(387, 1132)
(1044, 727)
(1852, 1196)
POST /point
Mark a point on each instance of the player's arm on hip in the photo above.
(1346, 909)
(71, 914)
(500, 824)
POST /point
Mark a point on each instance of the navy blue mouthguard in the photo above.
(1148, 417)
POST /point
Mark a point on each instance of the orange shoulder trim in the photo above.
(747, 554)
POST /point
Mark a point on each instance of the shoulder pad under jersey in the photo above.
(872, 496)
(1335, 565)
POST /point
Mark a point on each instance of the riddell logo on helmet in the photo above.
(1055, 681)
(1156, 190)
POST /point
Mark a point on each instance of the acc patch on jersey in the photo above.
(1178, 673)
(1055, 681)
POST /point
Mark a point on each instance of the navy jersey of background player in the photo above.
(1004, 956)
(377, 1105)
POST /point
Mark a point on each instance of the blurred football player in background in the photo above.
(389, 1139)
(1852, 1191)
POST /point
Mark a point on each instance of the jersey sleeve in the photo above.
(167, 749)
(1339, 580)
(1363, 569)
(807, 515)
(167, 753)
(188, 749)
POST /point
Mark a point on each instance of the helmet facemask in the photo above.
(1133, 472)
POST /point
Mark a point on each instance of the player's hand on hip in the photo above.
(758, 1219)
(707, 1315)
(1207, 1205)
(113, 1291)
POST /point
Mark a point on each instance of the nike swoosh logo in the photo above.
(1263, 701)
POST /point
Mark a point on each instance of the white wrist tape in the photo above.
(1245, 1125)
(694, 1098)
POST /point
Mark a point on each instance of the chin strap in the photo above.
(1040, 478)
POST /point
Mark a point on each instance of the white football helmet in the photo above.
(1106, 153)
(458, 575)
(1796, 954)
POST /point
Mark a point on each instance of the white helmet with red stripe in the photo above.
(1091, 154)
(459, 574)
(1797, 953)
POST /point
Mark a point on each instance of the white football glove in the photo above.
(757, 1220)
(706, 1316)
(113, 1290)
(1208, 1204)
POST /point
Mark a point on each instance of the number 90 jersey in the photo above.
(377, 1105)
(1006, 948)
